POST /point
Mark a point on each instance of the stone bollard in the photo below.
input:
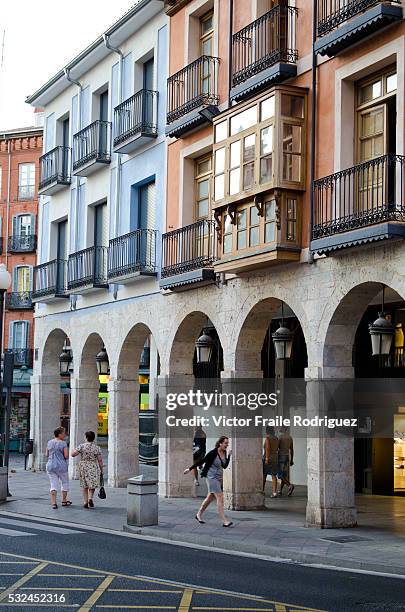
(3, 484)
(142, 501)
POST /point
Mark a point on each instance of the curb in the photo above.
(292, 555)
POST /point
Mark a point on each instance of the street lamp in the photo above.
(381, 332)
(283, 340)
(65, 361)
(204, 347)
(103, 365)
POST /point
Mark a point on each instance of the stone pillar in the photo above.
(123, 431)
(84, 414)
(175, 451)
(331, 492)
(243, 479)
(45, 415)
(142, 501)
(153, 373)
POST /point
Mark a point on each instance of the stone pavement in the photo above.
(378, 544)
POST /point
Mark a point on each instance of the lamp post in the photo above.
(5, 282)
(283, 340)
(103, 365)
(204, 347)
(381, 332)
(65, 361)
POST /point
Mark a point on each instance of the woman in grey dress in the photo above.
(215, 462)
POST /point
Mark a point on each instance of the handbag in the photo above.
(101, 491)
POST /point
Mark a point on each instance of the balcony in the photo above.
(92, 148)
(264, 52)
(22, 356)
(342, 23)
(22, 243)
(135, 121)
(50, 281)
(192, 96)
(55, 170)
(132, 256)
(19, 300)
(87, 270)
(26, 192)
(360, 205)
(188, 256)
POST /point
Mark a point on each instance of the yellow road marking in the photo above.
(138, 607)
(143, 591)
(243, 609)
(186, 600)
(55, 588)
(12, 574)
(281, 608)
(97, 594)
(75, 575)
(35, 570)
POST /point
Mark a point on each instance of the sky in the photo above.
(40, 38)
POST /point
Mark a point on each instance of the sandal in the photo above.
(67, 503)
(227, 524)
(54, 506)
(199, 520)
(91, 503)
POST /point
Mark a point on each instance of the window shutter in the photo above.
(15, 278)
(33, 224)
(25, 335)
(15, 225)
(31, 278)
(11, 335)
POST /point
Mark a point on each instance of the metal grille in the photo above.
(55, 167)
(332, 13)
(189, 248)
(133, 252)
(93, 143)
(50, 278)
(88, 267)
(137, 115)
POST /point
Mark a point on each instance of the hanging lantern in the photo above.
(382, 333)
(65, 361)
(103, 365)
(283, 341)
(204, 347)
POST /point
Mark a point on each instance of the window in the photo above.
(227, 236)
(23, 225)
(260, 147)
(202, 187)
(270, 221)
(19, 333)
(207, 48)
(22, 279)
(26, 181)
(291, 220)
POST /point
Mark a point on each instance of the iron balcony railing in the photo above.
(131, 253)
(189, 248)
(50, 278)
(88, 268)
(20, 243)
(92, 143)
(19, 299)
(137, 115)
(55, 167)
(333, 13)
(363, 195)
(22, 356)
(193, 86)
(26, 192)
(265, 42)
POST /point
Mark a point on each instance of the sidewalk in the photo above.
(378, 544)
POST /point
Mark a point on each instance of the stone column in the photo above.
(153, 373)
(175, 450)
(331, 492)
(243, 482)
(45, 415)
(123, 431)
(84, 414)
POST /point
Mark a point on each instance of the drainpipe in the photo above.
(230, 61)
(3, 322)
(119, 168)
(313, 126)
(79, 124)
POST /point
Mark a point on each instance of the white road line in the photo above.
(13, 533)
(39, 526)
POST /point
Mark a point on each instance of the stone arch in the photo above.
(341, 326)
(130, 351)
(51, 351)
(181, 351)
(87, 367)
(250, 334)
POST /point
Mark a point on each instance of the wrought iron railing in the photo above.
(333, 13)
(19, 299)
(88, 267)
(193, 86)
(363, 195)
(26, 192)
(19, 243)
(22, 356)
(137, 115)
(264, 42)
(189, 248)
(55, 167)
(131, 253)
(92, 143)
(50, 278)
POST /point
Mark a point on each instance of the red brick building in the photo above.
(20, 150)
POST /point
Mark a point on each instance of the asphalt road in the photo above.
(93, 570)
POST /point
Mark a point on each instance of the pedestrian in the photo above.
(214, 462)
(90, 467)
(270, 459)
(199, 450)
(285, 460)
(57, 466)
